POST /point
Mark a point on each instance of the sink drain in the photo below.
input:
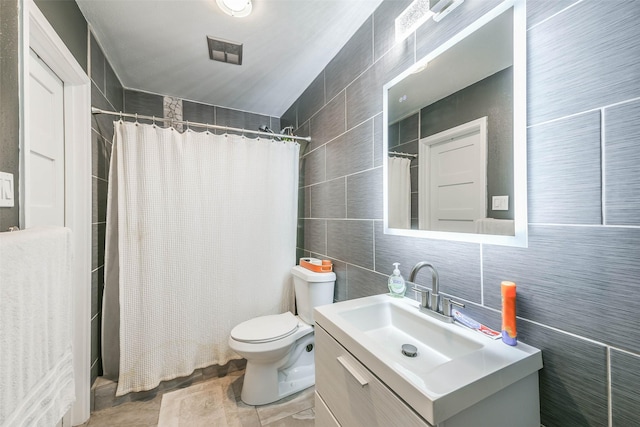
(409, 350)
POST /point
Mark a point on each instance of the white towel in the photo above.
(36, 369)
(504, 227)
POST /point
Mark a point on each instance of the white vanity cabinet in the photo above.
(349, 395)
(458, 378)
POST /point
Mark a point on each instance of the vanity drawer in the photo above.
(354, 395)
(324, 417)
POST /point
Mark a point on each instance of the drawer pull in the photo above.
(345, 364)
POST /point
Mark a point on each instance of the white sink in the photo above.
(454, 367)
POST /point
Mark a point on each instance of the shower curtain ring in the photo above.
(120, 115)
(188, 125)
(154, 120)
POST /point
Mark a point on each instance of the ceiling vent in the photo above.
(225, 51)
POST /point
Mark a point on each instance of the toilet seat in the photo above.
(265, 328)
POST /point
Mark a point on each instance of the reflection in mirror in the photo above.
(456, 137)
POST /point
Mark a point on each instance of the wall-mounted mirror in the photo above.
(455, 136)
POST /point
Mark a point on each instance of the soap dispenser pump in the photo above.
(396, 282)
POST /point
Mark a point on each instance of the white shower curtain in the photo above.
(201, 235)
(399, 192)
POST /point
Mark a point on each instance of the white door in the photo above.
(55, 176)
(453, 170)
(45, 183)
(455, 184)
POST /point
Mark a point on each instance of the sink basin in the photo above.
(454, 367)
(389, 326)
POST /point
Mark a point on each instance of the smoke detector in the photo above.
(225, 51)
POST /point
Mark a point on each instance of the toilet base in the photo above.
(266, 383)
(295, 380)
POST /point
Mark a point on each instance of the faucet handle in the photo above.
(447, 305)
(425, 295)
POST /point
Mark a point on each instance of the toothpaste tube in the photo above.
(475, 325)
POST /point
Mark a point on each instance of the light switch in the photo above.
(6, 190)
(500, 203)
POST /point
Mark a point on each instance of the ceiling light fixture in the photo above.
(235, 8)
(411, 18)
(419, 11)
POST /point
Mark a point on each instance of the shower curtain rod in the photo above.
(397, 153)
(120, 114)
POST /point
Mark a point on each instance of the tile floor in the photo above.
(214, 402)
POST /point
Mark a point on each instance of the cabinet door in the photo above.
(354, 395)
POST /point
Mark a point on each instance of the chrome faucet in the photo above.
(431, 299)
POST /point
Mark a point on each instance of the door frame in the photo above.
(424, 169)
(39, 35)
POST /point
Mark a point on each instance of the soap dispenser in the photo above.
(396, 282)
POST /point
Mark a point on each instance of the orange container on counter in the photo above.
(508, 291)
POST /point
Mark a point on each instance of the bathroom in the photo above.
(577, 279)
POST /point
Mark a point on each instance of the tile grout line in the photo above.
(554, 15)
(609, 394)
(549, 224)
(373, 233)
(340, 177)
(372, 118)
(603, 170)
(579, 113)
(346, 198)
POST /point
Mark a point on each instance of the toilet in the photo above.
(279, 348)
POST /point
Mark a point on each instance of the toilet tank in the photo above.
(312, 290)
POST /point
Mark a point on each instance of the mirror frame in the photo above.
(520, 239)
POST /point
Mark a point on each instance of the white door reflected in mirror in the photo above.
(452, 178)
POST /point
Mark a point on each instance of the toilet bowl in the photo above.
(279, 348)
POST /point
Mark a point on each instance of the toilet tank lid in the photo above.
(312, 276)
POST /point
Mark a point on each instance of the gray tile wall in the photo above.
(106, 94)
(69, 23)
(579, 279)
(149, 104)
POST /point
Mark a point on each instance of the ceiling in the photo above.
(160, 46)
